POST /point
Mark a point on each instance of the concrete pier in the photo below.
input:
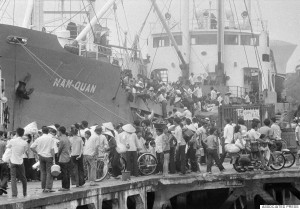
(241, 190)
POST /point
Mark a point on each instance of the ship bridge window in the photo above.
(204, 39)
(231, 40)
(161, 42)
(251, 40)
(178, 40)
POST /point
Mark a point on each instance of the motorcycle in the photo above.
(249, 160)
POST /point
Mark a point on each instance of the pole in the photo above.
(184, 66)
(186, 46)
(28, 13)
(93, 22)
(221, 34)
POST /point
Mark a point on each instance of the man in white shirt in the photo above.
(18, 148)
(247, 98)
(90, 154)
(192, 79)
(181, 144)
(220, 99)
(228, 136)
(44, 146)
(276, 133)
(186, 113)
(84, 128)
(198, 91)
(159, 148)
(77, 158)
(132, 145)
(228, 131)
(213, 94)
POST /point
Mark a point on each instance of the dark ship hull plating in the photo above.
(55, 98)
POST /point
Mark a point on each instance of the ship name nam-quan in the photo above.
(80, 86)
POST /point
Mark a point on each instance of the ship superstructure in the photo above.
(220, 46)
(65, 76)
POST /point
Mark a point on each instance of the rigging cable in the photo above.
(255, 46)
(126, 19)
(4, 11)
(67, 20)
(14, 8)
(239, 29)
(52, 77)
(162, 30)
(88, 16)
(33, 55)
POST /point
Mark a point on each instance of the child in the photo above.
(211, 143)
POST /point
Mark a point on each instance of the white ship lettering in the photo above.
(79, 86)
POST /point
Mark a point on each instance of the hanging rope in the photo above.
(54, 72)
(246, 55)
(255, 47)
(52, 77)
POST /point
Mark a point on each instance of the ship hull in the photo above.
(67, 88)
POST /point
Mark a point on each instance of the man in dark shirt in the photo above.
(64, 153)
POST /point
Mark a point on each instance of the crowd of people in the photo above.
(180, 144)
(183, 93)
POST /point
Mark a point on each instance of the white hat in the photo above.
(177, 99)
(178, 91)
(3, 99)
(108, 133)
(53, 127)
(151, 88)
(92, 128)
(138, 85)
(171, 127)
(185, 108)
(207, 119)
(129, 128)
(191, 127)
(108, 126)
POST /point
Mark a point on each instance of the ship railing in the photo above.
(92, 50)
(240, 24)
(237, 91)
(206, 25)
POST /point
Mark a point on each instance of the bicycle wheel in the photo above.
(147, 164)
(101, 169)
(277, 161)
(289, 159)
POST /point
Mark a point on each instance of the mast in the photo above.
(184, 66)
(220, 66)
(93, 22)
(38, 14)
(249, 6)
(186, 46)
(28, 13)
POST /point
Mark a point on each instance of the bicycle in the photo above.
(104, 168)
(290, 158)
(147, 164)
